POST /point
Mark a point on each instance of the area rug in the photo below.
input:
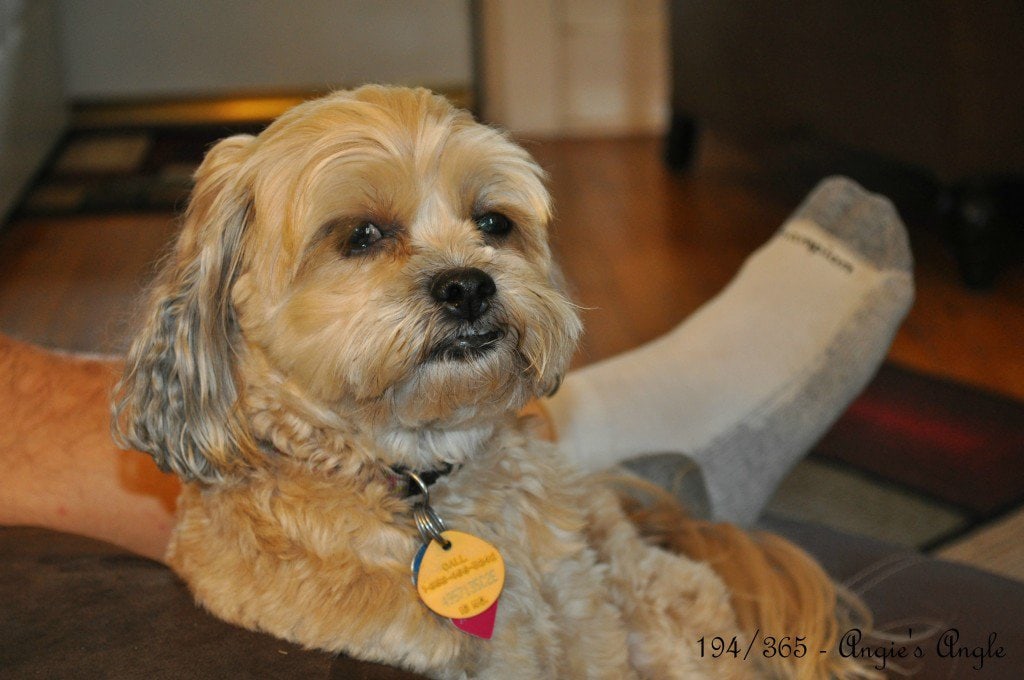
(957, 444)
(123, 170)
(997, 547)
(923, 462)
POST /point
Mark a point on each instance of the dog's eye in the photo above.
(493, 224)
(362, 238)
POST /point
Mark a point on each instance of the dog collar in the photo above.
(399, 478)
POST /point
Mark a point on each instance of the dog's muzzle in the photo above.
(466, 296)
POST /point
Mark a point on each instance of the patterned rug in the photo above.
(117, 171)
(959, 445)
(916, 460)
(923, 462)
(997, 547)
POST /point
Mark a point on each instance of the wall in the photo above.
(117, 49)
(32, 112)
(575, 67)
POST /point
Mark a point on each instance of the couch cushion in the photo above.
(73, 607)
(907, 590)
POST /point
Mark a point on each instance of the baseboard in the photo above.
(232, 109)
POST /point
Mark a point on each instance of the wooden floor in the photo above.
(641, 247)
(645, 248)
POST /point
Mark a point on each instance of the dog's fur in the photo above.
(282, 371)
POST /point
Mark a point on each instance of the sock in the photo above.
(756, 376)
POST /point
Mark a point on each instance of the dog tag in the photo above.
(481, 625)
(462, 581)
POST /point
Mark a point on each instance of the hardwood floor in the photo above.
(644, 248)
(70, 283)
(641, 248)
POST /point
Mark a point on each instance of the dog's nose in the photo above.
(463, 293)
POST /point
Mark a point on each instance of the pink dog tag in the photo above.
(481, 625)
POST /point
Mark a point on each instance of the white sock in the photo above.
(754, 378)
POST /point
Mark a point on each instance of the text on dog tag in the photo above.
(462, 581)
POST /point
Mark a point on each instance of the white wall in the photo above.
(158, 48)
(32, 111)
(576, 67)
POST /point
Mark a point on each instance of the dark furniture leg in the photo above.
(681, 142)
(983, 218)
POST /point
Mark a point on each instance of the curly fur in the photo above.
(279, 375)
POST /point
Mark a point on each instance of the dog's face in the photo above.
(380, 252)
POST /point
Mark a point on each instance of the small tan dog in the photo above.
(366, 289)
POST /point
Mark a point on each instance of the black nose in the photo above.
(463, 293)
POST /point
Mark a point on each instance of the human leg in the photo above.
(746, 385)
(58, 464)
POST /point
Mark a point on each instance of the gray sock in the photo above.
(753, 379)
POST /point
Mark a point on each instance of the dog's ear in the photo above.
(177, 397)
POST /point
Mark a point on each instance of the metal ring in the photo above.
(428, 522)
(426, 528)
(424, 489)
(430, 525)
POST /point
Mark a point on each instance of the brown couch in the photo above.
(936, 85)
(72, 607)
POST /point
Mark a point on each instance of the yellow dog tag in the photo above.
(463, 580)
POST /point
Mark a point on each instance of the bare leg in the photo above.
(59, 465)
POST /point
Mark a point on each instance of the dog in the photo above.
(333, 357)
